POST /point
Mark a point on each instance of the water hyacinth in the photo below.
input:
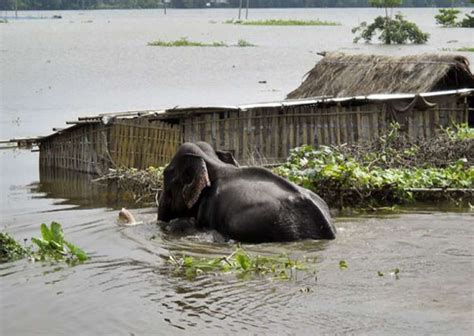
(375, 177)
(239, 262)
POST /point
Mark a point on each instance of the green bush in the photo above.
(447, 17)
(397, 30)
(468, 21)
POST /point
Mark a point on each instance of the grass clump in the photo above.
(51, 246)
(239, 262)
(184, 42)
(244, 43)
(466, 49)
(391, 170)
(281, 22)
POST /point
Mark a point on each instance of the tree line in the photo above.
(116, 4)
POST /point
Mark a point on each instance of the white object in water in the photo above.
(127, 218)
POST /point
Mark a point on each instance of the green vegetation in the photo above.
(463, 49)
(391, 170)
(343, 265)
(239, 262)
(468, 21)
(51, 246)
(184, 42)
(280, 22)
(244, 43)
(10, 249)
(394, 30)
(448, 17)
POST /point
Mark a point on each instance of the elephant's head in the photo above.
(189, 173)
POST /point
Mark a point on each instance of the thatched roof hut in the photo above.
(341, 75)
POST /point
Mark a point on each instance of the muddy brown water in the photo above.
(58, 70)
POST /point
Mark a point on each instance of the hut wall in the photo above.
(81, 148)
(94, 147)
(265, 135)
(138, 143)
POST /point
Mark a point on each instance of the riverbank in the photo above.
(391, 170)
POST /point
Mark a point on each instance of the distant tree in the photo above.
(392, 30)
(468, 21)
(447, 17)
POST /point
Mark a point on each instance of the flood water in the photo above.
(98, 61)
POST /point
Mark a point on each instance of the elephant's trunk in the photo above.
(164, 209)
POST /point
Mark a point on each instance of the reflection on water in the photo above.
(76, 188)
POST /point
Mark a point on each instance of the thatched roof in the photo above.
(341, 75)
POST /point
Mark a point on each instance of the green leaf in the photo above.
(188, 261)
(57, 233)
(45, 233)
(243, 260)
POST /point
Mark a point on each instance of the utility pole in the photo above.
(164, 6)
(16, 9)
(240, 8)
(247, 10)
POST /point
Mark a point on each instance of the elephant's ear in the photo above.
(196, 179)
(227, 157)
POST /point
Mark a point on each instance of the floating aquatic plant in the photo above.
(239, 262)
(10, 249)
(389, 171)
(51, 246)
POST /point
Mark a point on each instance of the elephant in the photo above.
(208, 189)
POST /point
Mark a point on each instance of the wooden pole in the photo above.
(16, 9)
(240, 8)
(247, 10)
(164, 6)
